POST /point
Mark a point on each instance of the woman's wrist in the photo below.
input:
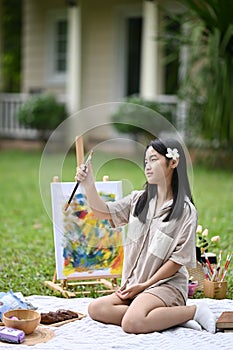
(150, 282)
(145, 285)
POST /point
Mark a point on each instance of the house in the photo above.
(95, 51)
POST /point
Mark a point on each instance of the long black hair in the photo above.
(179, 183)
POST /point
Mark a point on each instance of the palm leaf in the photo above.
(211, 67)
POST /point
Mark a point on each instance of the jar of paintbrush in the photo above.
(215, 285)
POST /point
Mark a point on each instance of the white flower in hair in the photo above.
(172, 153)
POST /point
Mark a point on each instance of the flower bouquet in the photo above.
(204, 244)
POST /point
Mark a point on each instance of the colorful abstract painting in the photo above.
(84, 245)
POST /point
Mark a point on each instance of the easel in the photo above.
(62, 286)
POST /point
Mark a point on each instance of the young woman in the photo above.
(162, 222)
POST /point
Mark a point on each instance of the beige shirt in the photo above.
(148, 246)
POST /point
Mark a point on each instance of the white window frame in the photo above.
(52, 76)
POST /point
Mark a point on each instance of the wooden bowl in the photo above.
(27, 320)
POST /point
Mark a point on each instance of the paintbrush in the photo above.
(78, 182)
(208, 263)
(227, 263)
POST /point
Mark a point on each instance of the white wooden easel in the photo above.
(67, 286)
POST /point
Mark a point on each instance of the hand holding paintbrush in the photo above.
(78, 182)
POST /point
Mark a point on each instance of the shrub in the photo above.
(133, 119)
(43, 113)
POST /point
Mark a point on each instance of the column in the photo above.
(74, 58)
(182, 105)
(149, 82)
(1, 44)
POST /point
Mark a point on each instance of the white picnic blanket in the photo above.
(86, 334)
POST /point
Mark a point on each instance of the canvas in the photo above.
(84, 246)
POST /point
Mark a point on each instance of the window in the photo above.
(60, 46)
(57, 40)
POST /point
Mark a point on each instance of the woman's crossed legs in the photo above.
(146, 313)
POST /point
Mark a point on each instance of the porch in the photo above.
(10, 127)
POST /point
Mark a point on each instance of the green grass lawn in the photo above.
(27, 255)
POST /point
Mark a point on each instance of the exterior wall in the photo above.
(35, 47)
(102, 47)
(97, 52)
(103, 50)
(101, 55)
(103, 59)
